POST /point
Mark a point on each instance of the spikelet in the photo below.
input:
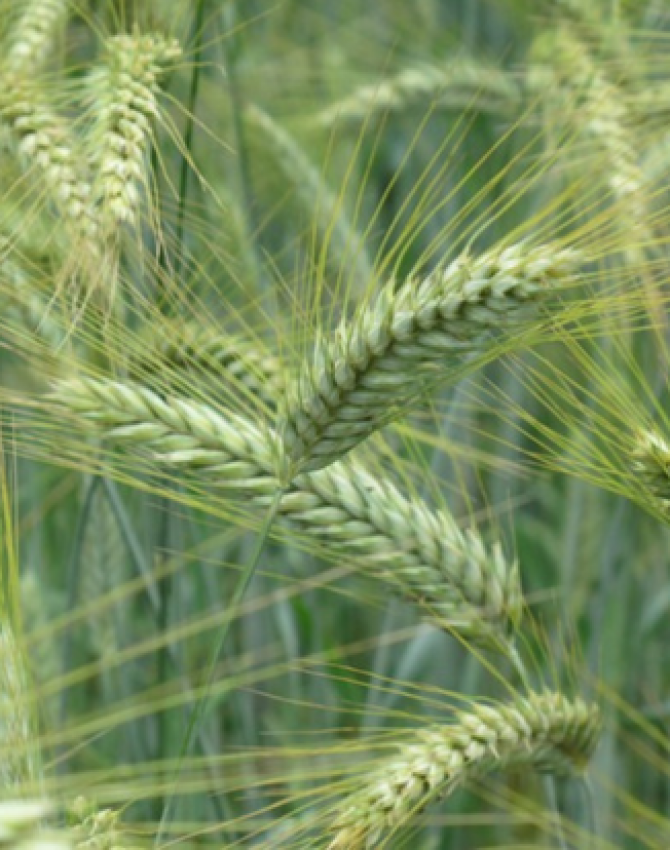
(21, 827)
(373, 363)
(123, 94)
(176, 349)
(651, 466)
(342, 243)
(19, 756)
(422, 554)
(29, 41)
(461, 84)
(546, 732)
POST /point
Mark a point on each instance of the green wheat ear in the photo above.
(370, 366)
(546, 732)
(123, 92)
(460, 583)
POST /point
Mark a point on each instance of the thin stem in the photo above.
(143, 569)
(73, 574)
(549, 783)
(200, 709)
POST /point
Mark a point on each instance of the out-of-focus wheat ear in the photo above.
(343, 244)
(20, 766)
(31, 35)
(123, 94)
(24, 306)
(546, 732)
(458, 582)
(229, 450)
(463, 83)
(21, 827)
(241, 365)
(651, 466)
(92, 828)
(47, 151)
(596, 108)
(373, 363)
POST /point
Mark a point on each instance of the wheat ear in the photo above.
(371, 365)
(30, 37)
(463, 83)
(545, 731)
(459, 582)
(23, 304)
(598, 109)
(92, 828)
(207, 351)
(651, 465)
(44, 144)
(124, 91)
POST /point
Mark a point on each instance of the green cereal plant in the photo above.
(179, 351)
(32, 34)
(223, 463)
(596, 108)
(370, 365)
(124, 105)
(544, 731)
(46, 148)
(421, 553)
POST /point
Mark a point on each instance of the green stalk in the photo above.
(199, 712)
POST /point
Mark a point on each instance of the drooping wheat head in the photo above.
(47, 150)
(546, 732)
